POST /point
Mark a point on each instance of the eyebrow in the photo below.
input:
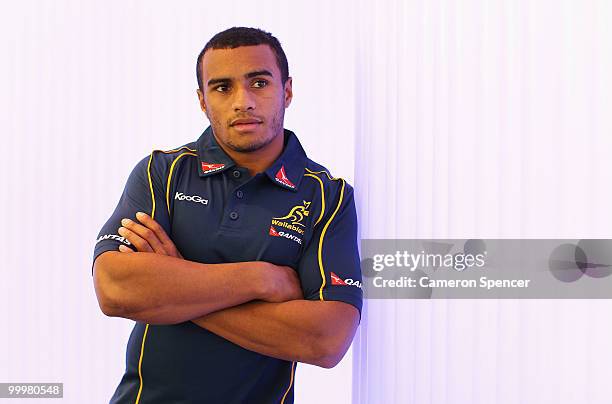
(247, 76)
(258, 73)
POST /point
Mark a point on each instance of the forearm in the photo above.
(297, 330)
(160, 289)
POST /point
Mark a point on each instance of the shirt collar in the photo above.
(286, 171)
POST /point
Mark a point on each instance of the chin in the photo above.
(251, 146)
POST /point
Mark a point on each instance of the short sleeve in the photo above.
(330, 266)
(136, 197)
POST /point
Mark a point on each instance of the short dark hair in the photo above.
(243, 36)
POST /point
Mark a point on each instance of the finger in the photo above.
(159, 231)
(125, 249)
(146, 234)
(138, 242)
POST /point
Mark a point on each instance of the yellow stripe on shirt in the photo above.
(170, 176)
(290, 382)
(322, 196)
(320, 254)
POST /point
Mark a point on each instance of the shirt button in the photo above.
(234, 215)
(236, 174)
(239, 194)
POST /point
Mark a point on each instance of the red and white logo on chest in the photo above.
(211, 167)
(282, 178)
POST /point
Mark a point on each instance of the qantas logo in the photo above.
(286, 235)
(113, 237)
(336, 280)
(211, 167)
(281, 177)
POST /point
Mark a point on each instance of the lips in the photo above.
(245, 121)
(245, 124)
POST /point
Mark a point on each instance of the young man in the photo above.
(235, 254)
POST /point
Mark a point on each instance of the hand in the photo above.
(147, 237)
(281, 283)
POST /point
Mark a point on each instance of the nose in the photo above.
(243, 99)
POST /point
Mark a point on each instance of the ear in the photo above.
(288, 92)
(202, 102)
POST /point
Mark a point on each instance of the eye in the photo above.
(260, 83)
(221, 88)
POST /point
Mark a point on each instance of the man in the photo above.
(236, 255)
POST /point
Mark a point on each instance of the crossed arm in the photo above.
(314, 332)
(267, 314)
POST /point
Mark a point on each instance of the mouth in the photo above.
(245, 124)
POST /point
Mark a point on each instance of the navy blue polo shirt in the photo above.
(294, 214)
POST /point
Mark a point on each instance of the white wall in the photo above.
(485, 119)
(89, 88)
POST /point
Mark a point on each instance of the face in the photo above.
(243, 97)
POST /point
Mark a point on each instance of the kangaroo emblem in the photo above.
(296, 214)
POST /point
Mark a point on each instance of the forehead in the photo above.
(235, 63)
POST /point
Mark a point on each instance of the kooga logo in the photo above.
(191, 198)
